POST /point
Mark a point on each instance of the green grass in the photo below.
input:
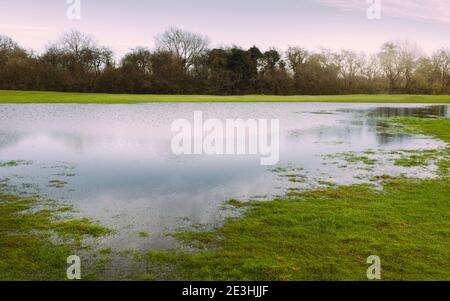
(14, 163)
(57, 184)
(436, 127)
(144, 234)
(236, 204)
(28, 250)
(418, 158)
(412, 161)
(59, 97)
(328, 234)
(352, 157)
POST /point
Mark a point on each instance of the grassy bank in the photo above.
(437, 127)
(35, 240)
(58, 97)
(328, 234)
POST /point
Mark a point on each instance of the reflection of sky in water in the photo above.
(127, 178)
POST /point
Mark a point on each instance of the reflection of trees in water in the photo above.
(373, 123)
(384, 137)
(74, 141)
(436, 111)
(362, 130)
(343, 132)
(382, 134)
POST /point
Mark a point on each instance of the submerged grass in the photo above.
(236, 203)
(14, 163)
(61, 97)
(57, 183)
(28, 246)
(328, 234)
(419, 158)
(436, 127)
(352, 157)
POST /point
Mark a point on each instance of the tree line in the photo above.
(183, 63)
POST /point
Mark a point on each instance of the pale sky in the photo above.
(126, 24)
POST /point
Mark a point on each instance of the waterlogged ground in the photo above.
(113, 163)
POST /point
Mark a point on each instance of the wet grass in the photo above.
(352, 157)
(144, 234)
(57, 184)
(236, 203)
(418, 158)
(60, 97)
(293, 174)
(295, 178)
(14, 163)
(279, 169)
(435, 127)
(35, 244)
(362, 159)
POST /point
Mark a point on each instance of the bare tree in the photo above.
(7, 44)
(80, 52)
(409, 55)
(389, 62)
(349, 66)
(76, 42)
(441, 66)
(370, 66)
(399, 61)
(72, 43)
(186, 46)
(10, 50)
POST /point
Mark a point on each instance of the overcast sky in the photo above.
(125, 24)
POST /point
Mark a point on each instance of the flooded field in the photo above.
(114, 163)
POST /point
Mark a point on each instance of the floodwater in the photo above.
(114, 163)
